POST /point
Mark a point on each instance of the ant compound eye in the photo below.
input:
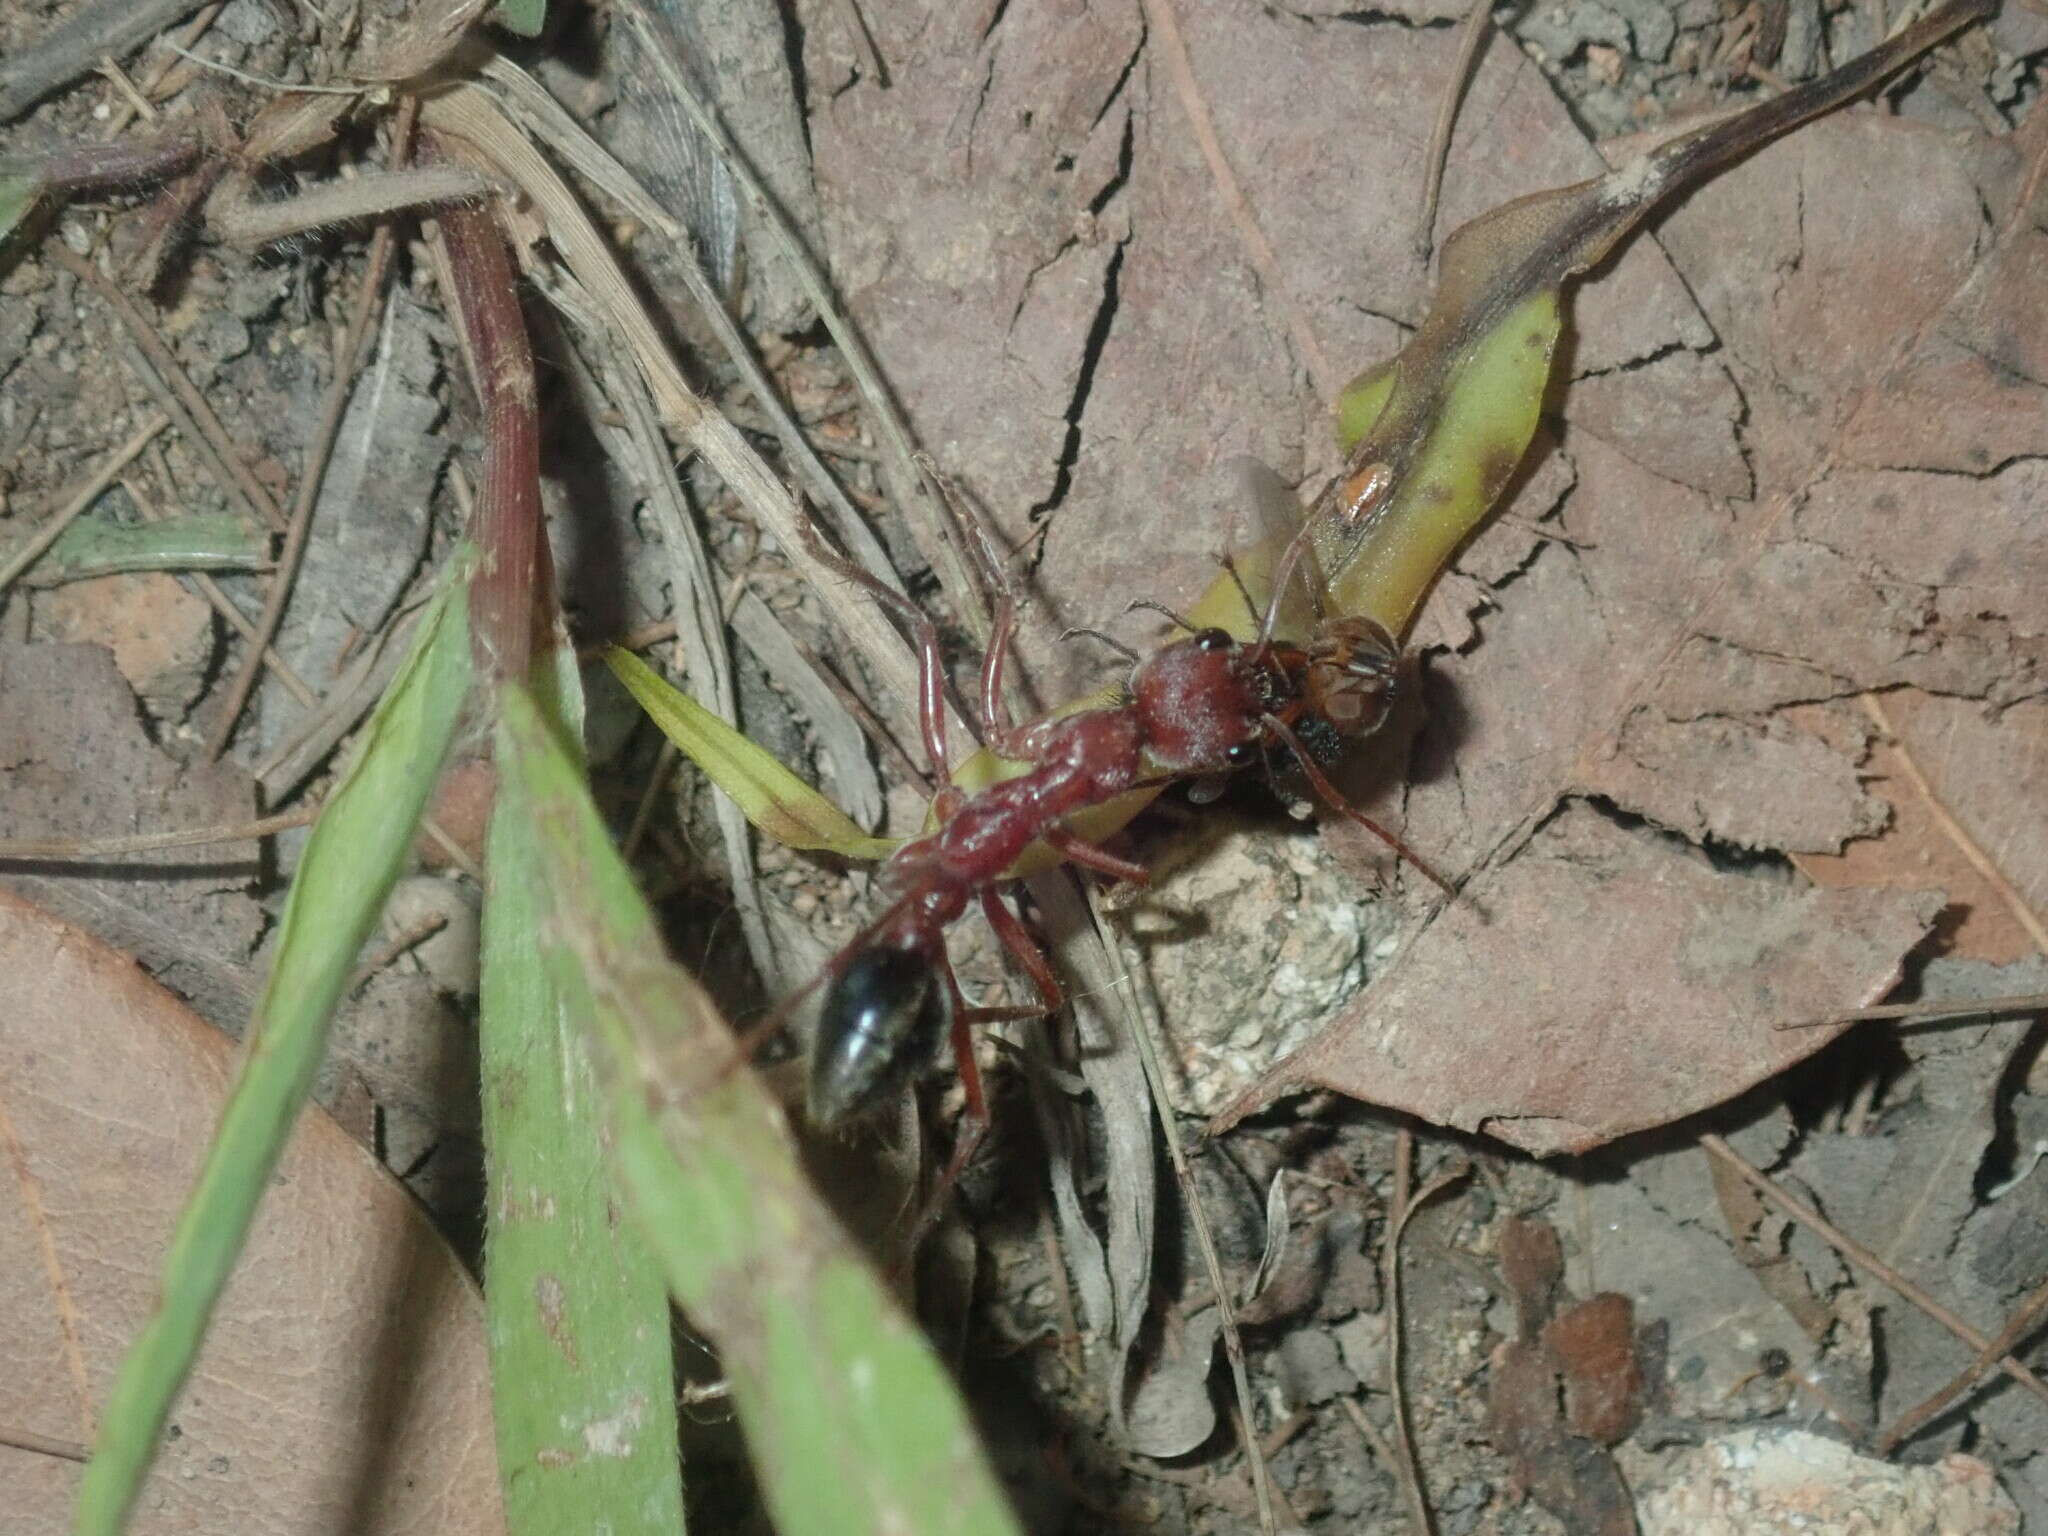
(1241, 755)
(1214, 640)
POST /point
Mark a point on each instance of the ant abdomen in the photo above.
(883, 1017)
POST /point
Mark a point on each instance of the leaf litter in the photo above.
(1646, 718)
(1135, 352)
(103, 1139)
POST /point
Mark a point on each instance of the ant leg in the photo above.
(1001, 733)
(1025, 951)
(974, 1119)
(931, 661)
(1078, 850)
(1335, 800)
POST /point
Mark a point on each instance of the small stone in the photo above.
(1788, 1480)
(448, 954)
(1362, 1341)
(1311, 1368)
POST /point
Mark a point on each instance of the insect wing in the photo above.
(1265, 527)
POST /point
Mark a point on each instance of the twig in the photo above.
(2022, 1322)
(1145, 1039)
(640, 639)
(375, 194)
(568, 139)
(126, 88)
(473, 115)
(161, 69)
(1368, 1431)
(43, 1445)
(368, 303)
(1160, 14)
(334, 716)
(282, 87)
(226, 607)
(1472, 37)
(76, 44)
(153, 842)
(1068, 1342)
(1864, 1259)
(82, 167)
(906, 483)
(1954, 830)
(665, 761)
(1961, 1008)
(207, 433)
(1407, 1469)
(417, 934)
(54, 526)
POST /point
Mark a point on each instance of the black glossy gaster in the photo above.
(881, 1023)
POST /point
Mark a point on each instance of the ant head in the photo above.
(884, 1014)
(1202, 703)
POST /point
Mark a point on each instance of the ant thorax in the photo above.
(1202, 703)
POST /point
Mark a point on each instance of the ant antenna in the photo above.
(1336, 802)
(1229, 563)
(1109, 640)
(1297, 549)
(1160, 608)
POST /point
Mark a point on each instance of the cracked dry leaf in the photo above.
(1026, 230)
(317, 1405)
(1985, 767)
(1082, 329)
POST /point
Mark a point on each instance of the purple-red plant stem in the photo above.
(86, 167)
(506, 525)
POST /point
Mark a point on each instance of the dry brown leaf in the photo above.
(343, 1385)
(1028, 233)
(1993, 765)
(75, 761)
(1027, 229)
(1599, 979)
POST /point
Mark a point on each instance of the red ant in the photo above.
(1197, 707)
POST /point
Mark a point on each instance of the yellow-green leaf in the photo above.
(1443, 426)
(775, 800)
(18, 194)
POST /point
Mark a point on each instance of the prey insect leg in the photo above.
(1334, 799)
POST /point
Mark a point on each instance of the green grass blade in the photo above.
(18, 194)
(200, 541)
(356, 852)
(775, 800)
(852, 1424)
(576, 1313)
(523, 17)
